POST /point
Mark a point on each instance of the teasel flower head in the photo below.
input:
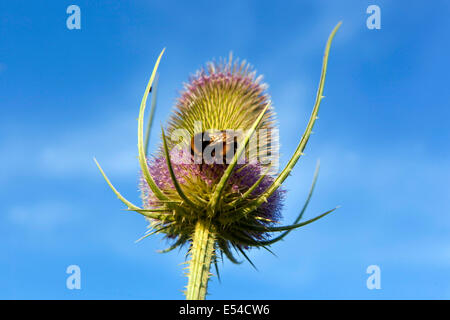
(210, 185)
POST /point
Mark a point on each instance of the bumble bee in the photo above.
(219, 147)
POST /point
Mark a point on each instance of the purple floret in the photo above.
(241, 180)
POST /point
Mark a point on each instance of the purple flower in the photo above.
(199, 180)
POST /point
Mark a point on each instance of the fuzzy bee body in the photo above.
(220, 146)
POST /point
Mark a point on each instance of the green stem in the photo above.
(202, 251)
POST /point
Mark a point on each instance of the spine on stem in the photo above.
(201, 253)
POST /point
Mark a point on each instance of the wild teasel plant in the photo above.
(215, 207)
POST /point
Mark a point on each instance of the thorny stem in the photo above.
(202, 252)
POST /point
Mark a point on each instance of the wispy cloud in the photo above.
(71, 154)
(41, 216)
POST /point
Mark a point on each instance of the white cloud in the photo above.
(71, 154)
(113, 143)
(42, 216)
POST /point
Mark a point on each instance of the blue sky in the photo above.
(382, 138)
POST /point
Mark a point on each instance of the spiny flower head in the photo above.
(218, 193)
(223, 96)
